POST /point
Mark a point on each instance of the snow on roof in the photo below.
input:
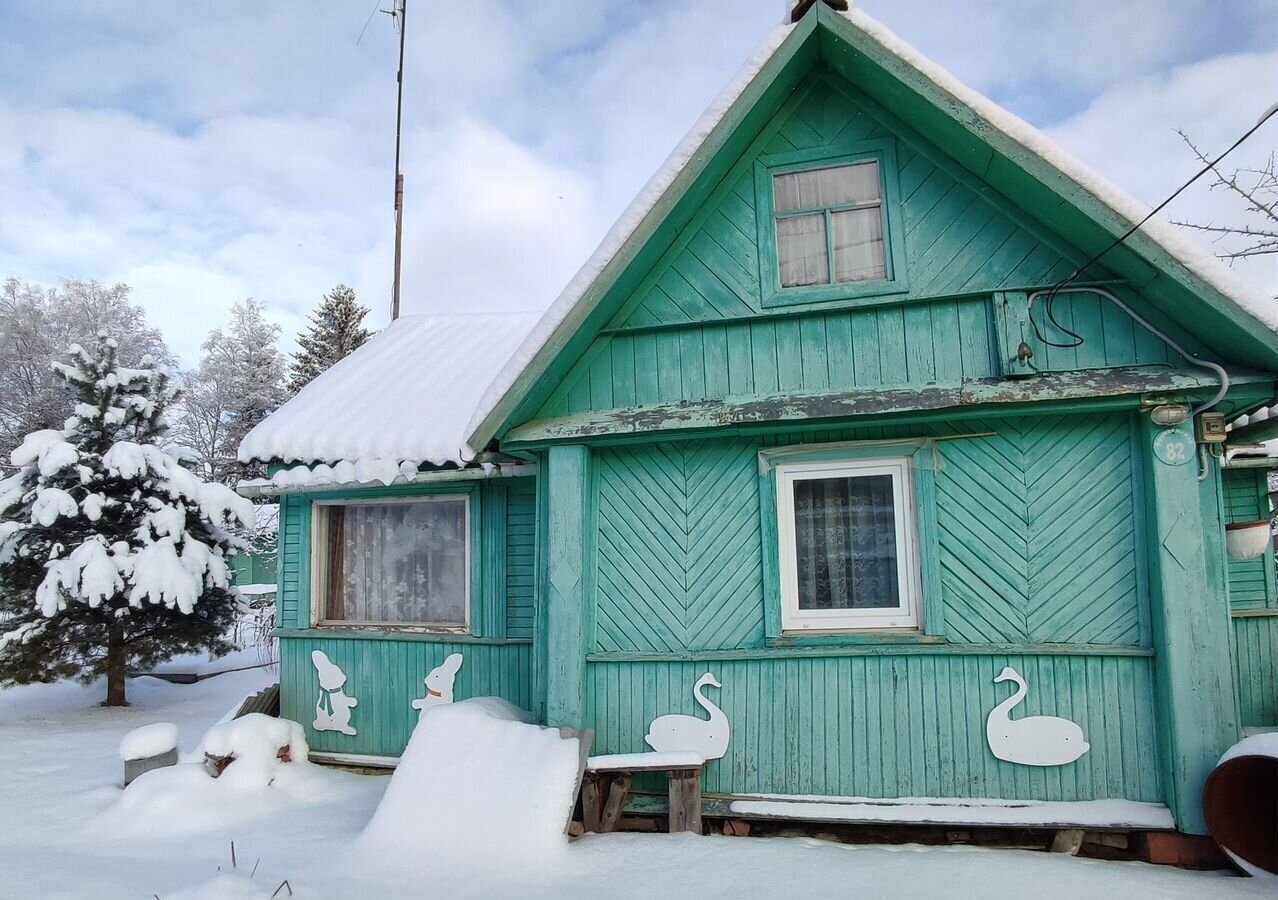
(406, 395)
(1187, 250)
(1173, 240)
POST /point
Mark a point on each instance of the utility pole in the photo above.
(400, 13)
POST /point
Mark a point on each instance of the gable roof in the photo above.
(407, 395)
(979, 135)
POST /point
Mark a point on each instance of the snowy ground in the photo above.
(60, 837)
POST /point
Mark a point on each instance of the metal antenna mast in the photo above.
(400, 14)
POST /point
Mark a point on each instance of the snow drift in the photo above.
(185, 799)
(475, 784)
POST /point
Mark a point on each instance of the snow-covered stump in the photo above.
(150, 747)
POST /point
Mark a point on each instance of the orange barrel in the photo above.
(1240, 802)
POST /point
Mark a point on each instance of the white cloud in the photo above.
(1129, 133)
(488, 224)
(245, 149)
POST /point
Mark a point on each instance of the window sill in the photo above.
(848, 294)
(844, 638)
(375, 633)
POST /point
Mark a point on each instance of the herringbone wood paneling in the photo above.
(1037, 537)
(679, 560)
(1038, 533)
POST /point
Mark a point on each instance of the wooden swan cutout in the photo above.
(1033, 740)
(709, 738)
(439, 684)
(333, 708)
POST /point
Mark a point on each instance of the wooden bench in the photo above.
(607, 783)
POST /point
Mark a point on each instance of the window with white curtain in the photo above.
(393, 562)
(829, 225)
(848, 554)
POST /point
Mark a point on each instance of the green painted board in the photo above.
(884, 726)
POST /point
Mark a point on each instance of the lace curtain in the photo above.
(397, 562)
(845, 537)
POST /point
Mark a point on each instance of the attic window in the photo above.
(829, 225)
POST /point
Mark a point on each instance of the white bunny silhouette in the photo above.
(439, 684)
(333, 708)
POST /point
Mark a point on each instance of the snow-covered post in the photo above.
(148, 747)
(112, 555)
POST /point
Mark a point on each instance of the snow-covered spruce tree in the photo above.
(336, 330)
(112, 555)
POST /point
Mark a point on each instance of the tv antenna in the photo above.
(398, 12)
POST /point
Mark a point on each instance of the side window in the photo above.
(848, 556)
(392, 563)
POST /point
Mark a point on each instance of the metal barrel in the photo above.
(1240, 802)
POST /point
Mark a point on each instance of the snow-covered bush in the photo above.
(256, 745)
(112, 555)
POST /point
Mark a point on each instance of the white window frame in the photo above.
(906, 615)
(319, 571)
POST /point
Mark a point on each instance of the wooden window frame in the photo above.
(882, 151)
(319, 569)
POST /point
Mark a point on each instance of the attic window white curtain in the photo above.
(396, 563)
(834, 210)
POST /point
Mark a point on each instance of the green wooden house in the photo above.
(814, 420)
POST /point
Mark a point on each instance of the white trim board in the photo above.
(366, 760)
(1094, 814)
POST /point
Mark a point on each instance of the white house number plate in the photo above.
(1174, 448)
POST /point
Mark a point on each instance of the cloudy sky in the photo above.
(210, 150)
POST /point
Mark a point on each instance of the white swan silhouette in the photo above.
(707, 738)
(1033, 740)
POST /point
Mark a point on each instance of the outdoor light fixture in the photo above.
(1169, 414)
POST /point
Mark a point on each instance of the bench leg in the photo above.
(615, 803)
(685, 801)
(592, 788)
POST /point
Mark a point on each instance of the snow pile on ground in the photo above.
(227, 886)
(259, 746)
(149, 740)
(59, 765)
(185, 799)
(475, 785)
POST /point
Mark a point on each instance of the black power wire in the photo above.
(1055, 289)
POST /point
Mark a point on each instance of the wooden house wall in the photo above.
(1253, 601)
(1039, 548)
(385, 669)
(696, 327)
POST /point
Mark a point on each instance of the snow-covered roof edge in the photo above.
(402, 400)
(1179, 246)
(622, 230)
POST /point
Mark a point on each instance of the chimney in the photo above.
(801, 8)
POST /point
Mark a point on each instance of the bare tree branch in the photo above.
(1258, 189)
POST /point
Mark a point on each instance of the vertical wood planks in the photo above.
(569, 589)
(1197, 705)
(386, 675)
(884, 726)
